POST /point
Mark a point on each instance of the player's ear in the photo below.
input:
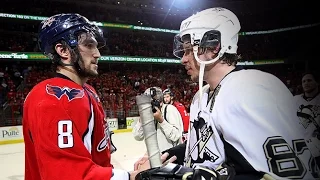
(62, 50)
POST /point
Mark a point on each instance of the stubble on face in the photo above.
(87, 46)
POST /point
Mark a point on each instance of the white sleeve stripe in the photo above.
(118, 174)
(88, 137)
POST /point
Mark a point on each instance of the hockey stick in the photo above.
(149, 130)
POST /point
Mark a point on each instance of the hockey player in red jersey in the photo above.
(168, 97)
(64, 126)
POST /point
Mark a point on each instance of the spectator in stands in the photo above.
(168, 98)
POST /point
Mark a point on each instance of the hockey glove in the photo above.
(174, 171)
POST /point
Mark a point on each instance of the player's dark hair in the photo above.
(230, 59)
(55, 59)
(74, 52)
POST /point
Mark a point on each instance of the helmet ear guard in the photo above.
(211, 39)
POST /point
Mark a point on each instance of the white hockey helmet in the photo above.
(212, 27)
(208, 28)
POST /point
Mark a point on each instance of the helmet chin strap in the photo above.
(68, 69)
(76, 65)
(202, 66)
(76, 71)
(64, 66)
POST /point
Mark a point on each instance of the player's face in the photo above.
(308, 83)
(190, 62)
(89, 54)
(166, 98)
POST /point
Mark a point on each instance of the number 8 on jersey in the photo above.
(65, 137)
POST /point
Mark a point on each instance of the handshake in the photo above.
(170, 171)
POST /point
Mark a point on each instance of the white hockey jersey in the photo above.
(309, 116)
(252, 125)
(308, 110)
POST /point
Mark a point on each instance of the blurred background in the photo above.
(279, 37)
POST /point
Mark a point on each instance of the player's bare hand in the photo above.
(140, 162)
(157, 115)
(144, 164)
(133, 174)
(170, 160)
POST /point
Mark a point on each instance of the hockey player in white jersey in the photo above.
(308, 111)
(242, 123)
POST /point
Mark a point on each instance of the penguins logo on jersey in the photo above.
(200, 152)
(309, 114)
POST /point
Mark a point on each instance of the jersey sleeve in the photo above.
(184, 115)
(59, 148)
(172, 128)
(262, 115)
(137, 131)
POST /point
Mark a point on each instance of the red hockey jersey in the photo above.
(184, 115)
(65, 131)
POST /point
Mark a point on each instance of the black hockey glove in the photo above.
(177, 151)
(174, 172)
